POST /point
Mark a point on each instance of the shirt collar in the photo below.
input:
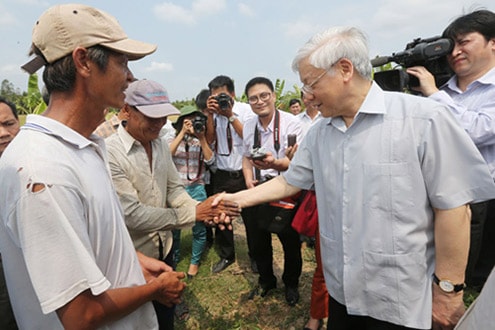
(57, 129)
(487, 79)
(126, 138)
(374, 103)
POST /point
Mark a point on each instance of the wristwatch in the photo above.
(447, 286)
(232, 118)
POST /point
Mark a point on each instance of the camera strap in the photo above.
(276, 140)
(229, 139)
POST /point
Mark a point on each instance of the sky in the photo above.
(200, 39)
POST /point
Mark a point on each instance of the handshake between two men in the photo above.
(217, 211)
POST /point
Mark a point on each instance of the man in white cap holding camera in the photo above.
(68, 258)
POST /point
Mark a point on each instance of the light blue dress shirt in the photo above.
(475, 111)
(376, 183)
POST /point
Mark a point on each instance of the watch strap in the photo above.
(457, 287)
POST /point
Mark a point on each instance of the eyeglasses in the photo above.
(308, 89)
(256, 98)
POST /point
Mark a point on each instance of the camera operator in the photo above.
(226, 118)
(470, 95)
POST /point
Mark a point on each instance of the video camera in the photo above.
(430, 53)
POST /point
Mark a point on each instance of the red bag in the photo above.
(305, 220)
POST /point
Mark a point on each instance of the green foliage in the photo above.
(283, 99)
(29, 102)
(183, 103)
(33, 101)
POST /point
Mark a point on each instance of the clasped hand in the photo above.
(221, 213)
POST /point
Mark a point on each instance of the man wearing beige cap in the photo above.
(68, 258)
(149, 187)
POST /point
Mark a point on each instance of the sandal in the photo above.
(182, 311)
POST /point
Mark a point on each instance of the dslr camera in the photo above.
(199, 124)
(430, 53)
(224, 101)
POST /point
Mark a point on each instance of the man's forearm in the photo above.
(452, 232)
(272, 190)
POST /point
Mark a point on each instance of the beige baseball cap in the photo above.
(63, 28)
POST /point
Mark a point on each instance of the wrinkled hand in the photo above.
(427, 84)
(223, 221)
(448, 308)
(170, 288)
(152, 267)
(223, 212)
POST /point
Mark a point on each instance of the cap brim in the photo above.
(132, 48)
(158, 110)
(34, 65)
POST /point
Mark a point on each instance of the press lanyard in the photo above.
(276, 140)
(229, 140)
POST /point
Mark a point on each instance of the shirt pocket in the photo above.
(397, 281)
(389, 186)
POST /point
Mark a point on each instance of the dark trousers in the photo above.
(209, 192)
(481, 258)
(338, 319)
(7, 319)
(164, 314)
(229, 182)
(260, 243)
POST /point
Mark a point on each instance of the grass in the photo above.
(219, 301)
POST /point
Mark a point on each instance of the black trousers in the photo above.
(338, 319)
(229, 182)
(260, 244)
(164, 314)
(481, 258)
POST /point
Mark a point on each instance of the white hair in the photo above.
(326, 48)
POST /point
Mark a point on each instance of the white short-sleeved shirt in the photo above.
(480, 314)
(70, 236)
(307, 121)
(230, 160)
(289, 124)
(376, 183)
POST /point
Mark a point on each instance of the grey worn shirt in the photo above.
(376, 183)
(154, 199)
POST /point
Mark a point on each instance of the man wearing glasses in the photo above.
(268, 132)
(393, 175)
(225, 118)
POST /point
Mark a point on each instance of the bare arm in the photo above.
(452, 232)
(87, 311)
(272, 190)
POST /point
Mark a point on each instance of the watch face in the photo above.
(446, 286)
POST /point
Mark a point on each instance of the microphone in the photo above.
(380, 60)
